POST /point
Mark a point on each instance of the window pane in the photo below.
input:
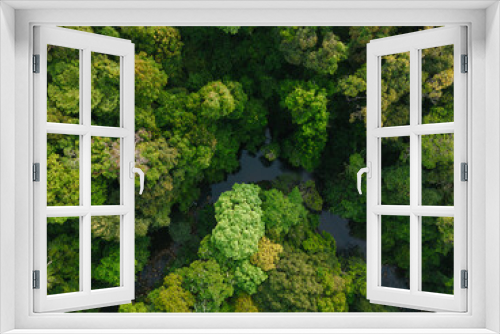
(105, 252)
(63, 170)
(105, 89)
(437, 169)
(437, 84)
(395, 89)
(395, 170)
(63, 85)
(395, 251)
(437, 254)
(105, 171)
(63, 255)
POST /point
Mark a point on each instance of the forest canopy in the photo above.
(205, 94)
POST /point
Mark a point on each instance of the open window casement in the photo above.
(414, 132)
(86, 133)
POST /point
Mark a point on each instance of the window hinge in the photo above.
(36, 172)
(36, 279)
(36, 63)
(464, 172)
(465, 279)
(465, 63)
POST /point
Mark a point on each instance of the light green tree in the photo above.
(239, 223)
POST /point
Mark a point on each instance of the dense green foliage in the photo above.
(304, 283)
(202, 96)
(239, 223)
(282, 212)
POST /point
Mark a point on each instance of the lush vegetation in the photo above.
(203, 95)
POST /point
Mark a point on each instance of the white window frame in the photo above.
(483, 126)
(414, 43)
(85, 43)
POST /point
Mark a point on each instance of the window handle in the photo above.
(368, 171)
(134, 170)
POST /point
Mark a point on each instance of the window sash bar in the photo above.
(420, 129)
(418, 210)
(82, 130)
(79, 211)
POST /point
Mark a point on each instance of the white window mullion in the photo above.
(85, 250)
(415, 163)
(418, 173)
(373, 271)
(460, 155)
(128, 153)
(40, 156)
(123, 175)
(81, 216)
(86, 166)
